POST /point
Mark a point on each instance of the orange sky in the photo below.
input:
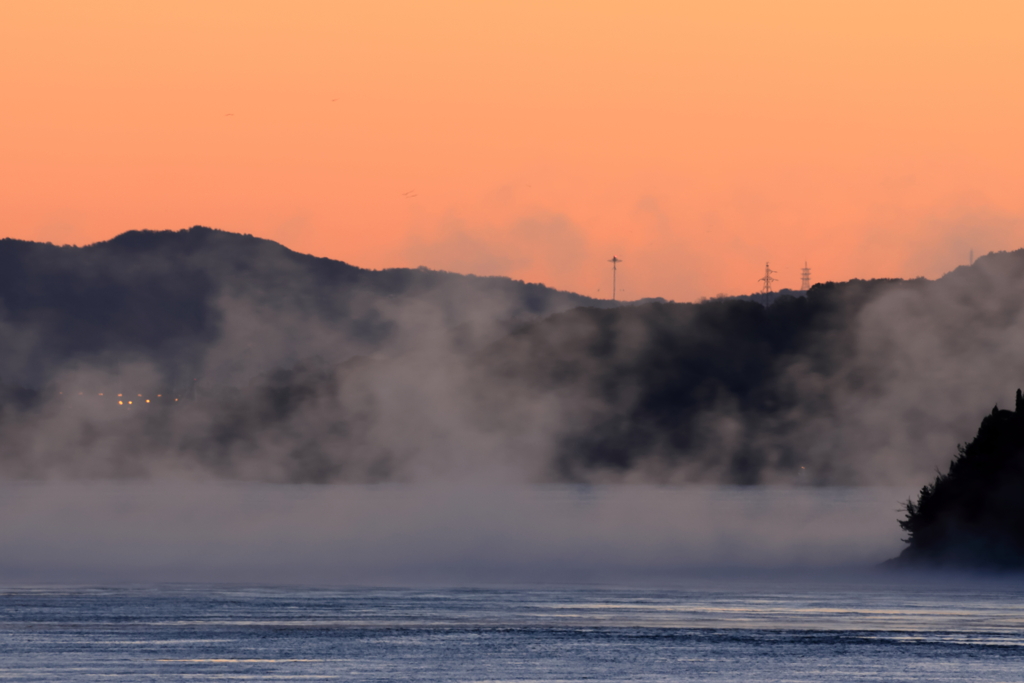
(695, 140)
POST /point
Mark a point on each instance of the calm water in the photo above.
(707, 632)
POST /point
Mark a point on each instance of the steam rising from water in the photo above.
(922, 366)
(915, 369)
(398, 534)
(124, 497)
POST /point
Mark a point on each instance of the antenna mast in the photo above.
(805, 278)
(615, 261)
(766, 291)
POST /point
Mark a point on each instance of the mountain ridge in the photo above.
(155, 294)
(292, 367)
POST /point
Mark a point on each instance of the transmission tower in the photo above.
(766, 291)
(805, 278)
(615, 261)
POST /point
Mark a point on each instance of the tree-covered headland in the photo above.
(973, 515)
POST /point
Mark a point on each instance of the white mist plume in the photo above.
(103, 532)
(285, 395)
(927, 362)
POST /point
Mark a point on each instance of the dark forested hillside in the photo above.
(207, 352)
(857, 382)
(973, 515)
(163, 297)
(654, 382)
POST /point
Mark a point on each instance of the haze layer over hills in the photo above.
(242, 359)
(168, 297)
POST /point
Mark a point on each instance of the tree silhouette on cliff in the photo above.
(973, 515)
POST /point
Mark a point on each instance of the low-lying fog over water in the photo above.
(428, 534)
(179, 581)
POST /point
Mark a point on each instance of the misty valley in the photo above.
(436, 387)
(681, 489)
(205, 353)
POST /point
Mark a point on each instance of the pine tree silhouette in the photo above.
(973, 515)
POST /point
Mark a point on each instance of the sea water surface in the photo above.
(716, 631)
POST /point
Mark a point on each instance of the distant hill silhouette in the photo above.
(159, 296)
(205, 351)
(652, 374)
(828, 387)
(973, 515)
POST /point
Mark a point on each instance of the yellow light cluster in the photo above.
(121, 397)
(121, 402)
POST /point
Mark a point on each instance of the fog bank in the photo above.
(205, 355)
(145, 532)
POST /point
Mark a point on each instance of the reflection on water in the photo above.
(912, 630)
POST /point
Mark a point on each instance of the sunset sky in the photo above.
(694, 140)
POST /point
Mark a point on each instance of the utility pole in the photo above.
(615, 261)
(767, 280)
(805, 278)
